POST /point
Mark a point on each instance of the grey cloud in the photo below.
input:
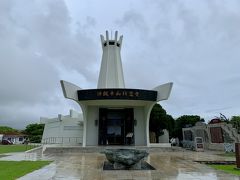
(199, 53)
(135, 20)
(193, 44)
(36, 39)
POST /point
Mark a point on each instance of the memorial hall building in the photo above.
(112, 114)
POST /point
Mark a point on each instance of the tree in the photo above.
(34, 132)
(223, 118)
(6, 129)
(170, 124)
(160, 120)
(185, 121)
(235, 121)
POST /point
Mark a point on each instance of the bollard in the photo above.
(237, 152)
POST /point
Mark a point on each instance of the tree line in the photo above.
(159, 120)
(33, 131)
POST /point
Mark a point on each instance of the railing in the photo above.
(62, 140)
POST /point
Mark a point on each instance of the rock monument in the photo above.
(126, 159)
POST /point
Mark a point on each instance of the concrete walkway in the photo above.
(88, 166)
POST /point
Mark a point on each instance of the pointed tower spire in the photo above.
(111, 72)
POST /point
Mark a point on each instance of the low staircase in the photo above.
(99, 149)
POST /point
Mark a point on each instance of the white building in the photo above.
(63, 129)
(14, 137)
(113, 114)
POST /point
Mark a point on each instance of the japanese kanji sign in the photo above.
(128, 94)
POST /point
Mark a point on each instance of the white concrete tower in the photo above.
(111, 72)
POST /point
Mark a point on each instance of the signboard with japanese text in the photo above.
(199, 144)
(125, 94)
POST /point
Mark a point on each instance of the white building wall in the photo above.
(63, 130)
(51, 129)
(92, 128)
(71, 131)
(139, 128)
(18, 140)
(165, 137)
(14, 139)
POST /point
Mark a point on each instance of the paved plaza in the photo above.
(88, 166)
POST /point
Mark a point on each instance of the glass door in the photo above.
(116, 126)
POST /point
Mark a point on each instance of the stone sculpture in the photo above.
(126, 158)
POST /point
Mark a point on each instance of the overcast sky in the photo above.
(194, 44)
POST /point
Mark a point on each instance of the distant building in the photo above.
(14, 137)
(63, 129)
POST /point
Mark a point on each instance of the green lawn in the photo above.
(15, 169)
(227, 168)
(228, 154)
(15, 148)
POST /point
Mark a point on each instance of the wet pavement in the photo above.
(88, 166)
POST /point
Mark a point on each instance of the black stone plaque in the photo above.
(124, 94)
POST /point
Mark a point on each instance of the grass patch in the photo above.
(15, 148)
(14, 169)
(228, 154)
(227, 168)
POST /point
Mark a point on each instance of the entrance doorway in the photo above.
(116, 126)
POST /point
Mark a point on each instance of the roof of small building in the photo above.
(215, 121)
(13, 134)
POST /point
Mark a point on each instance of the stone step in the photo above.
(99, 149)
